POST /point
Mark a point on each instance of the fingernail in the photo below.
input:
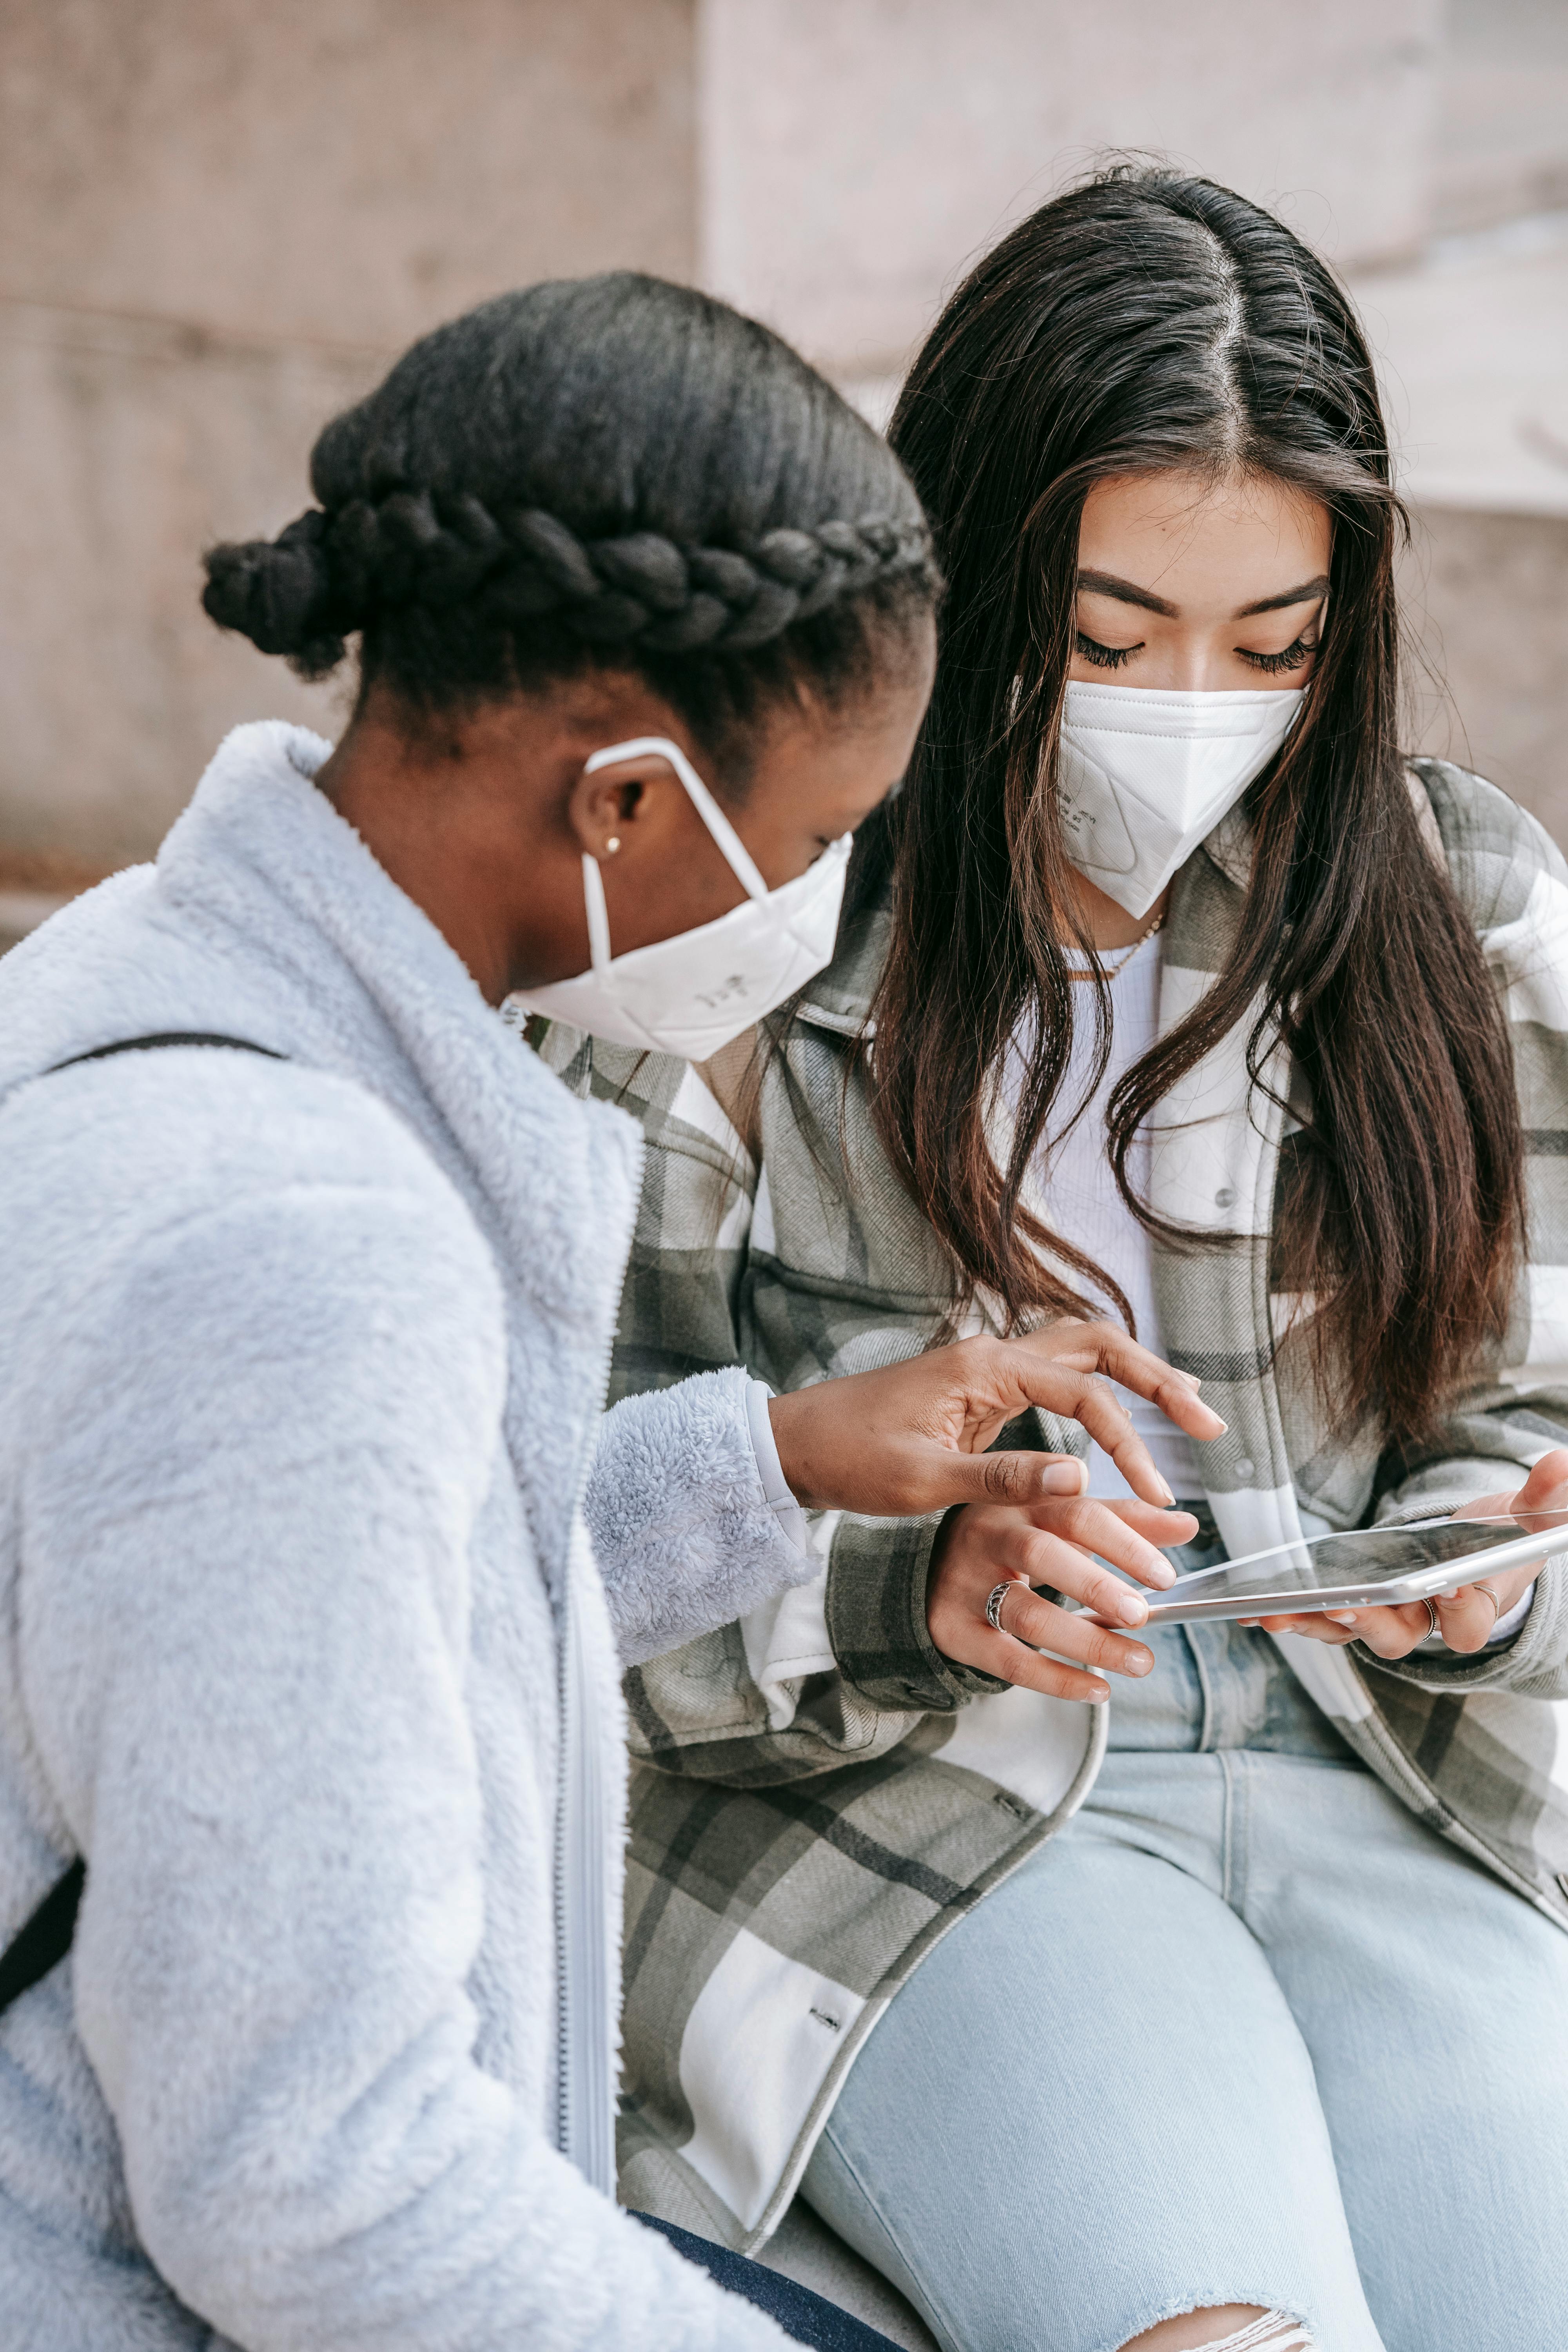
(1139, 1662)
(1098, 1695)
(1340, 1616)
(1191, 1379)
(1130, 1610)
(1163, 1574)
(1063, 1478)
(1165, 1490)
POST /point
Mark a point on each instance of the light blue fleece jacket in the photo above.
(302, 1369)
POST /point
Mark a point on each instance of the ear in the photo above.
(622, 803)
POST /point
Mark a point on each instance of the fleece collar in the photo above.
(365, 984)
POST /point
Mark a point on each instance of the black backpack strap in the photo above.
(45, 1940)
(165, 1037)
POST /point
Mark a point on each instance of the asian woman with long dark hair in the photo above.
(1169, 987)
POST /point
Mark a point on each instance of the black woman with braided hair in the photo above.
(321, 1558)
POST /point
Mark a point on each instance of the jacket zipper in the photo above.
(585, 2094)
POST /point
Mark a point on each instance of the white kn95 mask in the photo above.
(1143, 776)
(692, 994)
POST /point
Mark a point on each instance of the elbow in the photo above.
(287, 2228)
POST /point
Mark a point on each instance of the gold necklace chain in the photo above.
(1142, 939)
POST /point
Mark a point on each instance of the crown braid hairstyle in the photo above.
(1145, 320)
(608, 470)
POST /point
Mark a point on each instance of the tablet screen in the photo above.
(1365, 1556)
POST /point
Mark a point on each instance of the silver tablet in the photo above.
(1370, 1567)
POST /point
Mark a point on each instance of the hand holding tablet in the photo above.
(1534, 1517)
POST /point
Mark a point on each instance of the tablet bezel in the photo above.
(1167, 1607)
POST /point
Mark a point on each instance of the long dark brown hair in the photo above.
(1145, 322)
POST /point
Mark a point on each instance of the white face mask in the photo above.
(1144, 776)
(692, 994)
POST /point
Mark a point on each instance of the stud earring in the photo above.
(613, 844)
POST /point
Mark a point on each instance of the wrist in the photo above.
(790, 1422)
(777, 1492)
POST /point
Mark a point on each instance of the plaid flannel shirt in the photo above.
(818, 1795)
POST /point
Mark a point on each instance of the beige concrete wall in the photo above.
(1503, 146)
(220, 222)
(143, 443)
(1486, 596)
(856, 152)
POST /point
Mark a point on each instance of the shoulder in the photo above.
(840, 998)
(118, 1172)
(1502, 861)
(595, 1069)
(683, 1111)
(211, 1118)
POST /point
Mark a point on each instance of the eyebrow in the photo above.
(1308, 590)
(1106, 584)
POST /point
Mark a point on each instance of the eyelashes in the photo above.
(1295, 655)
(1101, 656)
(1291, 658)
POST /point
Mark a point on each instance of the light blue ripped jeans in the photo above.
(1245, 2031)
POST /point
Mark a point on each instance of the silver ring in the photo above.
(1434, 1623)
(1497, 1604)
(994, 1604)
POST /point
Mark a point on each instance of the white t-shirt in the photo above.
(1076, 1192)
(1077, 1195)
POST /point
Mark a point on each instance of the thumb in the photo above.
(953, 1478)
(1547, 1486)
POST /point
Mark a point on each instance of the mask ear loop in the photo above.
(731, 848)
(599, 914)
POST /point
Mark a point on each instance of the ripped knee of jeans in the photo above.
(1275, 2331)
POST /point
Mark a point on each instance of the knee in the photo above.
(1225, 2327)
